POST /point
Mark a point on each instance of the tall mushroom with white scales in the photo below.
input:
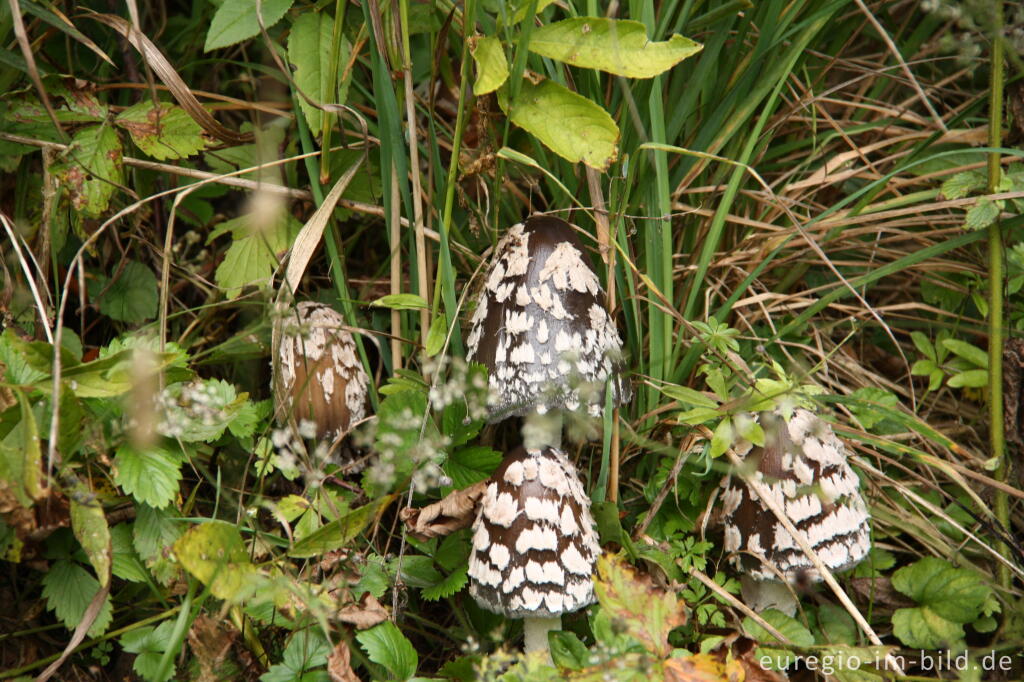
(803, 468)
(542, 329)
(318, 377)
(534, 544)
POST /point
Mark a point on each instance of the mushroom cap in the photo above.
(319, 377)
(534, 544)
(541, 327)
(803, 465)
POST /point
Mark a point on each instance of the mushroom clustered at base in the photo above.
(803, 465)
(541, 326)
(534, 544)
(319, 376)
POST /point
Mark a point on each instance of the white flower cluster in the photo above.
(186, 407)
(461, 385)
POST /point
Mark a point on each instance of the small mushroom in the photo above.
(318, 376)
(541, 326)
(534, 543)
(803, 467)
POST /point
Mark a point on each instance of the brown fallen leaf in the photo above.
(702, 668)
(339, 665)
(211, 642)
(734, 647)
(366, 613)
(457, 510)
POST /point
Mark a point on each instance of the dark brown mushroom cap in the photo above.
(803, 465)
(320, 378)
(534, 544)
(541, 327)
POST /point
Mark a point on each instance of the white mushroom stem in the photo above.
(543, 430)
(535, 631)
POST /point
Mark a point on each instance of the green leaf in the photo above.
(21, 457)
(961, 184)
(201, 410)
(491, 65)
(922, 628)
(722, 438)
(253, 256)
(164, 132)
(309, 49)
(154, 530)
(467, 466)
(236, 21)
(385, 645)
(338, 533)
(957, 594)
(437, 335)
(90, 527)
(92, 169)
(788, 626)
(688, 396)
(618, 46)
(974, 378)
(214, 553)
(567, 123)
(132, 297)
(68, 588)
(924, 345)
(149, 643)
(451, 584)
(307, 649)
(567, 651)
(150, 476)
(837, 625)
(126, 563)
(982, 214)
(401, 302)
(971, 353)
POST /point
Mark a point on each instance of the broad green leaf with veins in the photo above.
(618, 46)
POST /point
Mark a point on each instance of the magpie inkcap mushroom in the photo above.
(319, 377)
(534, 545)
(542, 328)
(803, 466)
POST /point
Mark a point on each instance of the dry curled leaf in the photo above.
(457, 510)
(210, 641)
(364, 614)
(339, 665)
(702, 668)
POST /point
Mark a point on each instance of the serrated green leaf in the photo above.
(164, 132)
(417, 571)
(68, 588)
(645, 611)
(309, 50)
(214, 553)
(150, 476)
(91, 170)
(618, 46)
(235, 21)
(126, 563)
(154, 530)
(131, 298)
(437, 335)
(401, 302)
(149, 644)
(491, 65)
(467, 466)
(982, 214)
(253, 256)
(567, 123)
(451, 584)
(961, 184)
(969, 352)
(922, 628)
(956, 594)
(973, 378)
(90, 527)
(385, 645)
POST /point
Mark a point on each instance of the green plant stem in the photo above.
(997, 438)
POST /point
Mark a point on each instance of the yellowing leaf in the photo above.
(491, 65)
(164, 132)
(235, 21)
(648, 613)
(567, 123)
(618, 46)
(90, 527)
(92, 169)
(215, 554)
